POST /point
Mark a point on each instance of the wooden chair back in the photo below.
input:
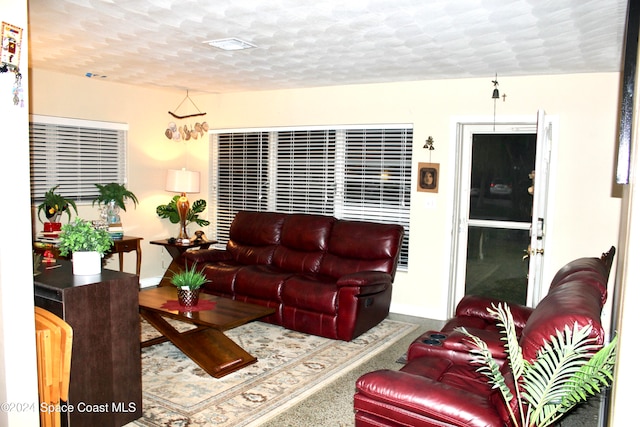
(54, 338)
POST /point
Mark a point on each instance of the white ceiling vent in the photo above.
(230, 44)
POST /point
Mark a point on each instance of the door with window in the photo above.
(502, 179)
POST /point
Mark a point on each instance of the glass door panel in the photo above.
(495, 268)
(500, 209)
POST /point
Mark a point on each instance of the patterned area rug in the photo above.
(290, 367)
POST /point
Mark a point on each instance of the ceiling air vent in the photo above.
(230, 44)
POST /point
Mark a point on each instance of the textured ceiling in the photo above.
(304, 43)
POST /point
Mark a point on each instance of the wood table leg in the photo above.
(210, 348)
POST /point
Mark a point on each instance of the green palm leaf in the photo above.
(568, 368)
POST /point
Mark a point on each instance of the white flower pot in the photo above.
(87, 263)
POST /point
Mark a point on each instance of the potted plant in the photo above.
(170, 210)
(54, 205)
(566, 370)
(86, 243)
(188, 283)
(113, 197)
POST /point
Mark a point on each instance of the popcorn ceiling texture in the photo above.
(303, 43)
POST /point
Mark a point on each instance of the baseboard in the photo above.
(415, 311)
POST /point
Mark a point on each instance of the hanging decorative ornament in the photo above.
(495, 96)
(183, 132)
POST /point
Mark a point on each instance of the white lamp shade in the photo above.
(183, 181)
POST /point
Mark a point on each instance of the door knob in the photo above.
(528, 252)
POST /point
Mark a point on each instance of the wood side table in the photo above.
(120, 246)
(175, 250)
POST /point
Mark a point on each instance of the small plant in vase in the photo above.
(86, 243)
(54, 205)
(112, 198)
(188, 283)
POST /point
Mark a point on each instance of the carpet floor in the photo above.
(291, 366)
(327, 404)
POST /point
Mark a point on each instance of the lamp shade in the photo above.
(183, 181)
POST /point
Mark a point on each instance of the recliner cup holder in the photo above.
(434, 339)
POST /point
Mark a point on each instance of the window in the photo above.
(75, 154)
(358, 173)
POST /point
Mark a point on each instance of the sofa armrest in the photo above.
(203, 256)
(476, 306)
(426, 398)
(368, 281)
(456, 346)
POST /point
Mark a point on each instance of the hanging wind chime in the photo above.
(495, 96)
(184, 132)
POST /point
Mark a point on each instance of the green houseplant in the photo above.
(86, 244)
(170, 210)
(112, 198)
(188, 283)
(115, 192)
(567, 370)
(54, 205)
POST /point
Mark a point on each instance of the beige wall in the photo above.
(584, 213)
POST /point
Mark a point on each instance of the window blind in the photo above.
(240, 169)
(358, 173)
(75, 154)
(305, 172)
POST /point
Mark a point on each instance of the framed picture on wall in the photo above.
(428, 177)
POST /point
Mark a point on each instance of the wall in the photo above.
(584, 209)
(18, 373)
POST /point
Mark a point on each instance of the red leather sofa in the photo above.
(324, 276)
(440, 387)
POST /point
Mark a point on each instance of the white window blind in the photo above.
(305, 172)
(76, 155)
(350, 173)
(240, 167)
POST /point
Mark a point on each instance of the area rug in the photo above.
(291, 366)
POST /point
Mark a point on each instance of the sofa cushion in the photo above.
(221, 276)
(360, 246)
(253, 236)
(314, 293)
(260, 282)
(303, 240)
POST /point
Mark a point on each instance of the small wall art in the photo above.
(11, 45)
(428, 177)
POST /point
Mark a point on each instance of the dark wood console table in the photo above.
(175, 250)
(120, 246)
(105, 359)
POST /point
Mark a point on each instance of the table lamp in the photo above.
(183, 181)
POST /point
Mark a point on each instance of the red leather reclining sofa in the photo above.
(324, 276)
(440, 387)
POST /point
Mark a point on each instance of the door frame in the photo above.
(461, 184)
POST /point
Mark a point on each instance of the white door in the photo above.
(499, 209)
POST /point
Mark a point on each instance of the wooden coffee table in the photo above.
(206, 344)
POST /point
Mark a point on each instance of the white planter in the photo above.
(87, 263)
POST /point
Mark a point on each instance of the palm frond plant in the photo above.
(567, 369)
